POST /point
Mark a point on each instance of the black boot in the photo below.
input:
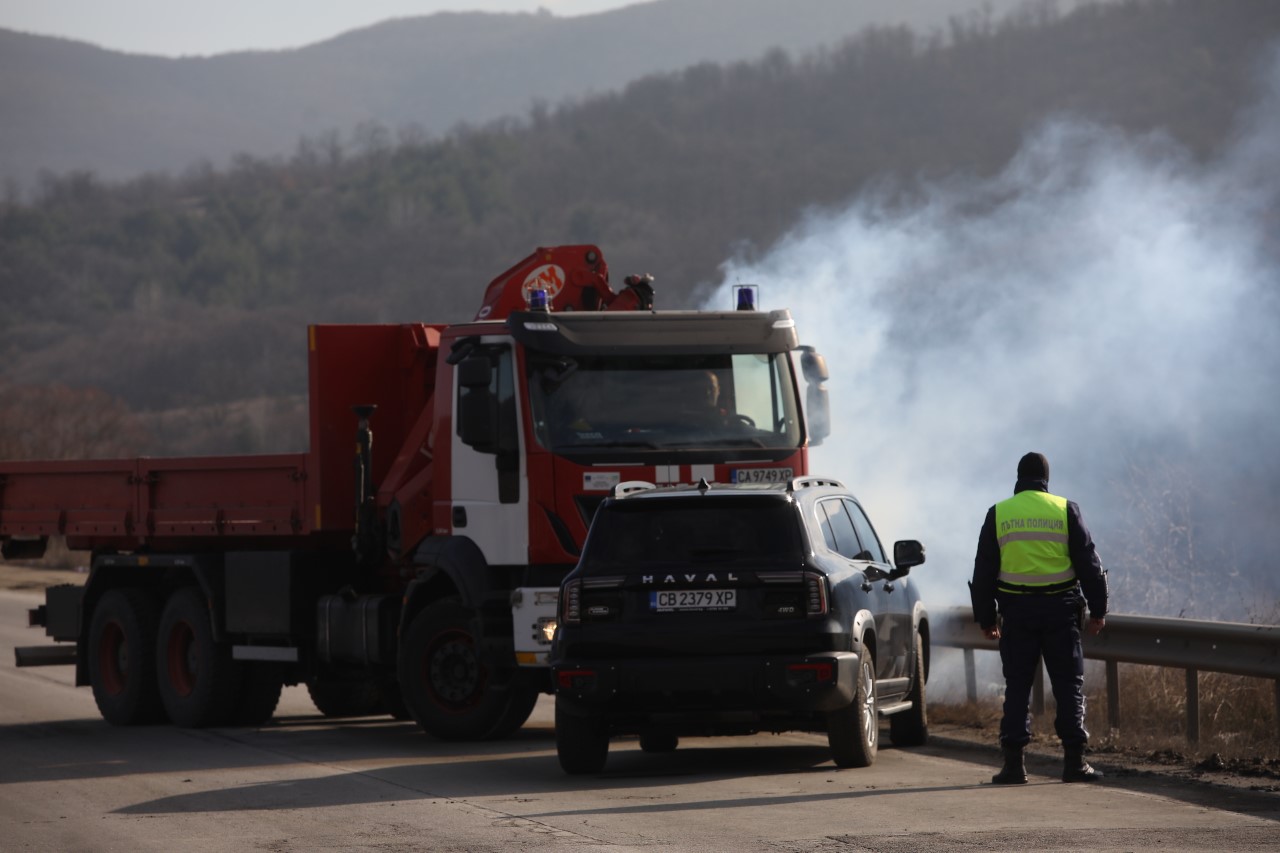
(1075, 768)
(1014, 771)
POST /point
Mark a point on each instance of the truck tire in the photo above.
(582, 742)
(393, 699)
(520, 704)
(121, 658)
(260, 688)
(198, 679)
(448, 676)
(346, 698)
(911, 727)
(854, 731)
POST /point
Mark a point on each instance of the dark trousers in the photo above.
(1034, 627)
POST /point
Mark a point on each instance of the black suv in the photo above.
(720, 610)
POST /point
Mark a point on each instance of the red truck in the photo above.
(420, 580)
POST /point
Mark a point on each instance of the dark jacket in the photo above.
(1090, 575)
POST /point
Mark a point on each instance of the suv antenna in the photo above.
(703, 485)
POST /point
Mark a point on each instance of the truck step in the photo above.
(59, 655)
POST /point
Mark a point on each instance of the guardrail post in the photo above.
(1113, 695)
(1278, 712)
(971, 678)
(1193, 705)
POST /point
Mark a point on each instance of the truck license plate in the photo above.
(668, 601)
(760, 475)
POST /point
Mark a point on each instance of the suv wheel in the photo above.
(911, 727)
(853, 731)
(656, 740)
(582, 742)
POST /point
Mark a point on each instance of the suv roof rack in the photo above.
(628, 487)
(812, 482)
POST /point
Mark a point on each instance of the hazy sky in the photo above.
(201, 27)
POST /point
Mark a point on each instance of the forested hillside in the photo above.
(68, 105)
(174, 292)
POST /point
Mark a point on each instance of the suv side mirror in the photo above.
(907, 553)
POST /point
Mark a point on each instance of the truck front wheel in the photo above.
(197, 677)
(122, 663)
(454, 685)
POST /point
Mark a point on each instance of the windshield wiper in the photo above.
(648, 445)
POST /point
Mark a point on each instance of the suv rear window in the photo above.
(695, 531)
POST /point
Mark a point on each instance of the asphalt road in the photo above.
(69, 782)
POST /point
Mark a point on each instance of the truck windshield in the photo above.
(663, 402)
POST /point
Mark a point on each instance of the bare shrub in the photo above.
(1190, 540)
(58, 422)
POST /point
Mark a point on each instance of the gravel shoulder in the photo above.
(16, 577)
(1117, 759)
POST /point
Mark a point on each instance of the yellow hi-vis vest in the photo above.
(1031, 528)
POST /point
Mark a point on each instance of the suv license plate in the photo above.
(760, 475)
(668, 601)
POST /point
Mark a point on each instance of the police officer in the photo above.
(1035, 571)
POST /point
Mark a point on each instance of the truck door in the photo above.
(489, 492)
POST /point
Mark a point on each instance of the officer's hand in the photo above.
(1095, 626)
(992, 633)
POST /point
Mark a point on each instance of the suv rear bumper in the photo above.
(822, 681)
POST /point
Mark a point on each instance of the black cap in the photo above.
(1033, 466)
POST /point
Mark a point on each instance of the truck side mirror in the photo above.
(477, 405)
(817, 405)
(817, 413)
(475, 371)
(813, 365)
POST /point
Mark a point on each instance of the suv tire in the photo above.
(854, 731)
(657, 740)
(582, 742)
(911, 727)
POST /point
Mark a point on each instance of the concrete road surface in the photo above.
(70, 782)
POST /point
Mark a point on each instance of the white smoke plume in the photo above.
(1108, 300)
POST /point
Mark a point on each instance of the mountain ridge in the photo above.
(67, 105)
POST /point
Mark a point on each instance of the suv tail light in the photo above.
(571, 603)
(815, 594)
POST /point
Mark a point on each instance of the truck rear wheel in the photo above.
(122, 663)
(853, 732)
(454, 685)
(360, 698)
(260, 688)
(197, 677)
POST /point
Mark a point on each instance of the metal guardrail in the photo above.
(1188, 644)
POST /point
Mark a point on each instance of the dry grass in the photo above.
(1237, 714)
(1239, 731)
